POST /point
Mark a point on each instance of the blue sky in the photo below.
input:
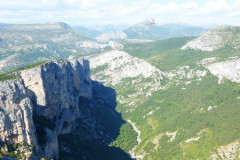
(101, 12)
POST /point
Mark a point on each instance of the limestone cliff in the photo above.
(56, 98)
(16, 123)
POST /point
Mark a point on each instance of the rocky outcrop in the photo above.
(216, 38)
(127, 74)
(54, 99)
(209, 41)
(229, 69)
(91, 44)
(106, 37)
(229, 151)
(122, 65)
(96, 45)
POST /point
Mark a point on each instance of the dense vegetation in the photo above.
(186, 111)
(126, 139)
(167, 54)
(16, 150)
(203, 114)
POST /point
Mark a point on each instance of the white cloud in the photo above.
(28, 4)
(215, 6)
(211, 7)
(116, 11)
(234, 14)
(237, 3)
(171, 7)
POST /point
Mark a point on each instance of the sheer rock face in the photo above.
(16, 123)
(47, 94)
(58, 85)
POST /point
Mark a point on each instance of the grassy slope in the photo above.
(24, 44)
(185, 111)
(167, 55)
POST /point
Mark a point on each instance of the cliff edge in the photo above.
(51, 102)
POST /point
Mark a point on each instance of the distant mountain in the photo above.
(4, 24)
(141, 30)
(109, 27)
(91, 33)
(216, 38)
(106, 37)
(95, 31)
(28, 43)
(166, 31)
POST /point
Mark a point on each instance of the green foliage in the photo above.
(86, 149)
(30, 66)
(167, 54)
(10, 75)
(126, 139)
(99, 68)
(186, 111)
(177, 110)
(16, 150)
(6, 76)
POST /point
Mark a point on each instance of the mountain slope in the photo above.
(26, 44)
(132, 77)
(182, 104)
(192, 115)
(216, 38)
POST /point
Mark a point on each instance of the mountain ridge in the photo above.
(216, 38)
(25, 44)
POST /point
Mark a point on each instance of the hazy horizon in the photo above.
(120, 26)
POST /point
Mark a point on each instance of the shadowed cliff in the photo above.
(63, 114)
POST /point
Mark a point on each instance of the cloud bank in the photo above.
(100, 12)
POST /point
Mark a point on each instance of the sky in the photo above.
(102, 12)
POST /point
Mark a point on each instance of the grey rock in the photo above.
(16, 124)
(51, 104)
(50, 92)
